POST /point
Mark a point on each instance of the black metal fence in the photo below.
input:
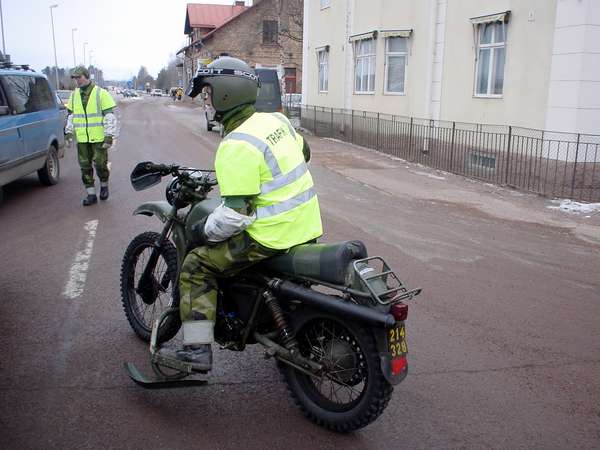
(565, 165)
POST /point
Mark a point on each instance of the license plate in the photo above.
(397, 341)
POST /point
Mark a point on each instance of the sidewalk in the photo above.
(405, 179)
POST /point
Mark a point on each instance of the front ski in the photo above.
(162, 382)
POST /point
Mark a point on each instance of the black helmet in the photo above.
(232, 81)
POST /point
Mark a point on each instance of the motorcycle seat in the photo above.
(325, 262)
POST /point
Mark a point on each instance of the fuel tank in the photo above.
(198, 212)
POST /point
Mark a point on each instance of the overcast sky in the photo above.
(122, 34)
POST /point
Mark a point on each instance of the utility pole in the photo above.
(73, 30)
(84, 45)
(54, 43)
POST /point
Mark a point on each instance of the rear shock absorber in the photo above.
(286, 333)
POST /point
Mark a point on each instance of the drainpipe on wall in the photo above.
(348, 69)
(305, 64)
(430, 56)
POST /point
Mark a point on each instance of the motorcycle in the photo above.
(332, 317)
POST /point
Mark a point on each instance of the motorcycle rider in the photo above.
(269, 202)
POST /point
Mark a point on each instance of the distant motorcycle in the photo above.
(340, 352)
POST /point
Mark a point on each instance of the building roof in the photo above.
(210, 16)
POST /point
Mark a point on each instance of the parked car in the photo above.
(63, 97)
(31, 126)
(269, 94)
(156, 93)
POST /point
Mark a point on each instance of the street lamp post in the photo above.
(54, 43)
(84, 45)
(73, 30)
(2, 24)
(90, 63)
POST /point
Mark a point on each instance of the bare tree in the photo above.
(291, 16)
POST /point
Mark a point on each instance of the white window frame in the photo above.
(323, 64)
(492, 46)
(372, 60)
(387, 65)
(325, 4)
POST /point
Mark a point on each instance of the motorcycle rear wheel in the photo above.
(141, 315)
(353, 392)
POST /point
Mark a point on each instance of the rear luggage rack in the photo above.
(381, 281)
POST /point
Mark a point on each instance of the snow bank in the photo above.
(575, 207)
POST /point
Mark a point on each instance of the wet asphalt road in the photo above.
(504, 343)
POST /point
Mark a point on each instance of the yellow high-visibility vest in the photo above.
(263, 159)
(88, 121)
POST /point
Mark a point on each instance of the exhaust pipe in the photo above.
(326, 303)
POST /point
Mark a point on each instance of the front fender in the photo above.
(160, 209)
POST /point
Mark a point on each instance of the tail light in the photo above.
(398, 365)
(399, 311)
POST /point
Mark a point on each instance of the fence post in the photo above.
(410, 132)
(352, 126)
(508, 154)
(331, 124)
(452, 147)
(575, 166)
(315, 121)
(377, 135)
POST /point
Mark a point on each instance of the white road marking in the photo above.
(79, 268)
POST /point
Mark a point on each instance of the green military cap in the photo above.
(79, 71)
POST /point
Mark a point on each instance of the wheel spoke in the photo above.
(332, 345)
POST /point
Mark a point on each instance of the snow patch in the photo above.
(571, 206)
(426, 174)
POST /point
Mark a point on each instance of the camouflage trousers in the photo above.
(89, 153)
(204, 265)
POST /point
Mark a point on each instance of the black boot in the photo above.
(199, 356)
(103, 192)
(90, 200)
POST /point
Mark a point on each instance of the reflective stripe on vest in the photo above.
(262, 147)
(286, 205)
(284, 179)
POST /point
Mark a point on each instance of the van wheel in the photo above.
(50, 173)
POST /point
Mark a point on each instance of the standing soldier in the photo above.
(92, 120)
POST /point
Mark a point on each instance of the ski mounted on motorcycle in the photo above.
(331, 316)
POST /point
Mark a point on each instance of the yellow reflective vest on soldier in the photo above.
(88, 122)
(262, 159)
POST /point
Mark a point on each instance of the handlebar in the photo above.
(175, 170)
(163, 169)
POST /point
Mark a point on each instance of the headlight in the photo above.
(172, 194)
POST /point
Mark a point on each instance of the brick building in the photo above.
(266, 34)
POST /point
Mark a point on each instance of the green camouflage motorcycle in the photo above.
(332, 317)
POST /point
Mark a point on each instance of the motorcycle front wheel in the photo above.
(352, 391)
(145, 302)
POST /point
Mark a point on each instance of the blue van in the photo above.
(31, 127)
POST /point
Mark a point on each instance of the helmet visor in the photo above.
(204, 74)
